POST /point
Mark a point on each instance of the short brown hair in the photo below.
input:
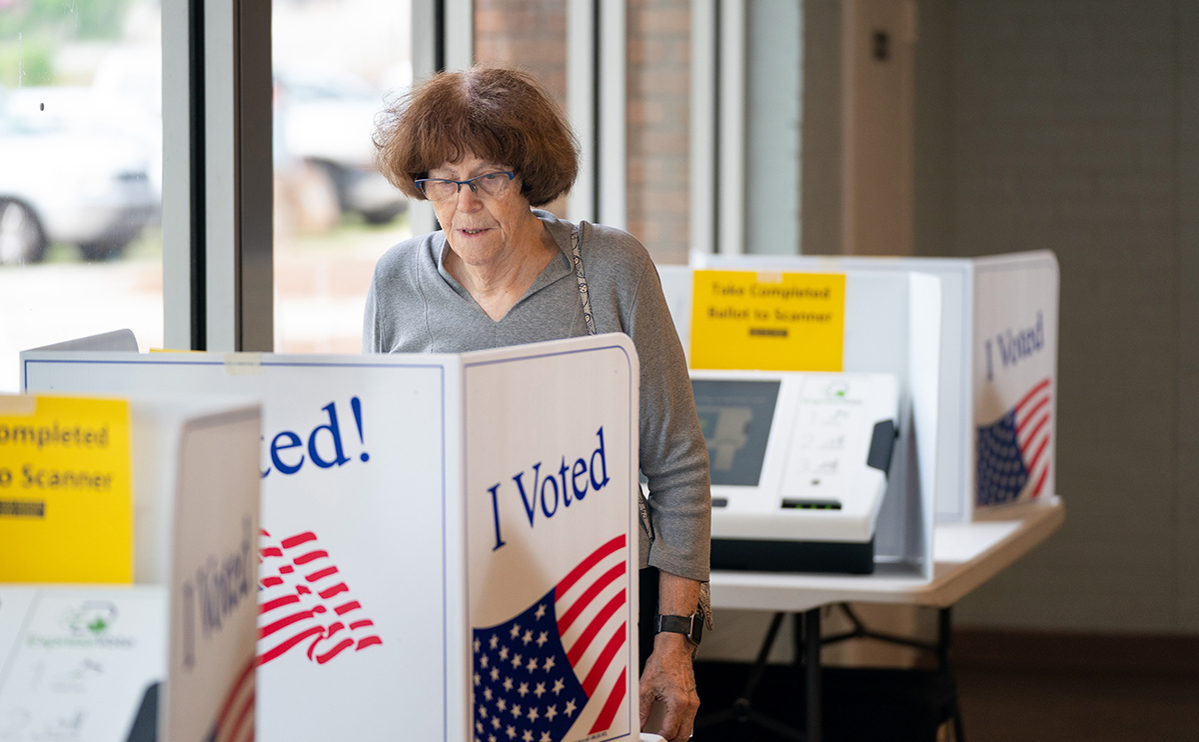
(495, 113)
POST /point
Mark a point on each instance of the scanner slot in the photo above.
(793, 504)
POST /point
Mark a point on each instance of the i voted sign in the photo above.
(353, 467)
(545, 495)
(551, 597)
(488, 489)
(1014, 380)
(323, 446)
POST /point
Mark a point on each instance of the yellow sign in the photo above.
(66, 509)
(768, 321)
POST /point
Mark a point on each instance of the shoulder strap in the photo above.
(582, 279)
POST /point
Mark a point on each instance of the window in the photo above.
(334, 214)
(773, 106)
(81, 184)
(651, 86)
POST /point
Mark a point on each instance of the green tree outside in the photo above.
(31, 32)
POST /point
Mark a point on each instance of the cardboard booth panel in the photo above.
(882, 332)
(1015, 378)
(117, 340)
(999, 310)
(192, 619)
(14, 606)
(353, 469)
(367, 466)
(160, 441)
(214, 598)
(894, 324)
(551, 472)
(80, 663)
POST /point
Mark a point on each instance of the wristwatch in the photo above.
(691, 626)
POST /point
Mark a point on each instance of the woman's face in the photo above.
(481, 228)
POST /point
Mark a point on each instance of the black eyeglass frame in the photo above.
(469, 182)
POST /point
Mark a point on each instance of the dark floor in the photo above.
(1068, 707)
(997, 706)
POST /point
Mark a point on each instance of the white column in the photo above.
(580, 103)
(459, 34)
(176, 177)
(731, 186)
(704, 45)
(613, 96)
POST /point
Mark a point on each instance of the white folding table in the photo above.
(965, 556)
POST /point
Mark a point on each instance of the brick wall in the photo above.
(530, 34)
(658, 82)
(533, 36)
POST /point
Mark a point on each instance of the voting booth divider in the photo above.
(164, 488)
(892, 325)
(996, 402)
(447, 542)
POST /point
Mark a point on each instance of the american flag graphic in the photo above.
(1013, 451)
(304, 603)
(235, 722)
(535, 676)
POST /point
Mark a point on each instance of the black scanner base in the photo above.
(793, 556)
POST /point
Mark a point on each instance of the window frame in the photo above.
(217, 213)
(217, 207)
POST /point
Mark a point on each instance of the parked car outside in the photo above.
(63, 181)
(325, 121)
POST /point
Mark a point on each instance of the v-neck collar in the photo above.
(557, 269)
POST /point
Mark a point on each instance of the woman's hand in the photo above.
(668, 677)
(669, 680)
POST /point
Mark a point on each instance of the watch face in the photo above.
(691, 627)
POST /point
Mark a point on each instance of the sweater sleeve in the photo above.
(394, 316)
(370, 318)
(674, 457)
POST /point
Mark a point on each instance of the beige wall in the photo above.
(1074, 126)
(876, 123)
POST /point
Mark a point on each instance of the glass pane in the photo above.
(530, 34)
(80, 173)
(773, 119)
(335, 214)
(659, 79)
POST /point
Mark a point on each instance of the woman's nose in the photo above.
(468, 200)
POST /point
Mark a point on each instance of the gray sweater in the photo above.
(415, 306)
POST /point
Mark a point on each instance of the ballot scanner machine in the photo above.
(893, 327)
(998, 366)
(799, 466)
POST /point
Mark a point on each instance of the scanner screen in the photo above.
(735, 417)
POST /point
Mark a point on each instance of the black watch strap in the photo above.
(691, 626)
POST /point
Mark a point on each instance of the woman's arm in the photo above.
(668, 677)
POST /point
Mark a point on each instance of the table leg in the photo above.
(811, 630)
(944, 633)
(742, 709)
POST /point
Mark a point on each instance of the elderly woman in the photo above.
(486, 146)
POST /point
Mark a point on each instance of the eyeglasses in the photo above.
(488, 184)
